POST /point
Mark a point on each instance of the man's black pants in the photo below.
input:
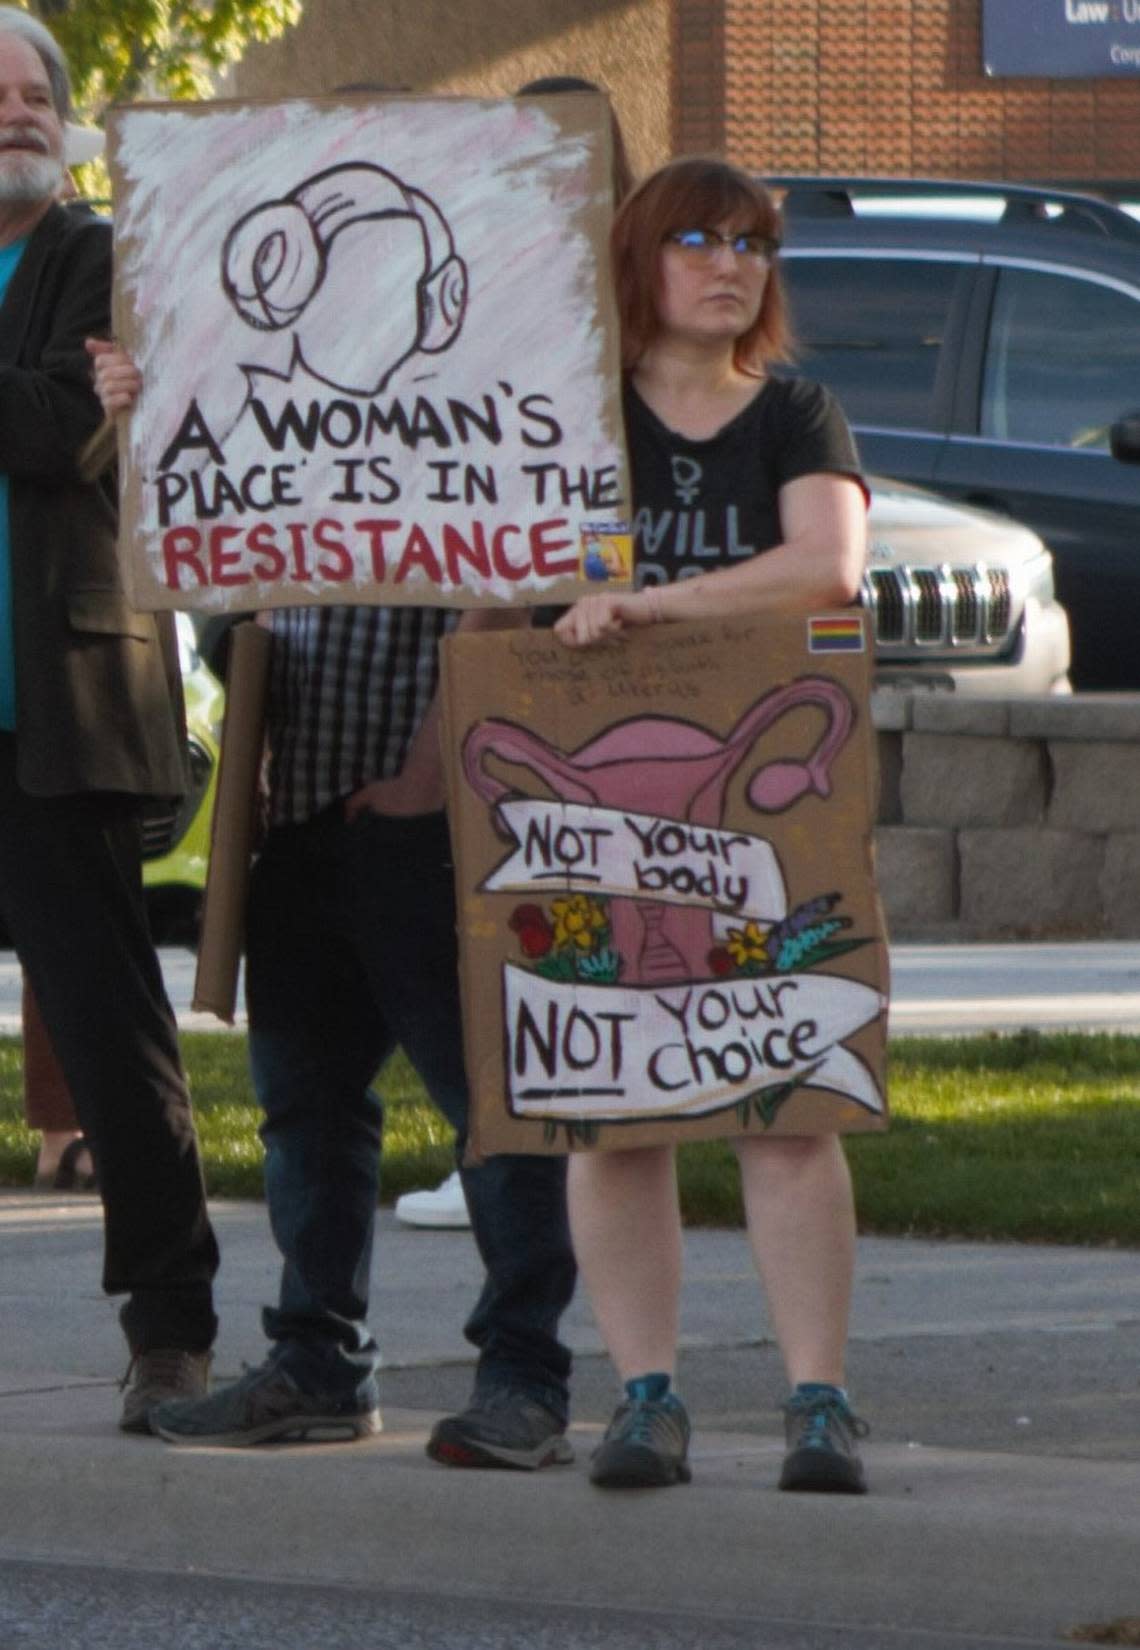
(71, 896)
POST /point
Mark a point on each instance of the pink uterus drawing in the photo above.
(671, 768)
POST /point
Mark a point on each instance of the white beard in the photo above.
(28, 178)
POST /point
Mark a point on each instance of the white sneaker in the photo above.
(444, 1206)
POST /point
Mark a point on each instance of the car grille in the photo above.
(164, 823)
(958, 609)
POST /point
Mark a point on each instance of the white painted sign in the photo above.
(650, 1053)
(378, 350)
(612, 851)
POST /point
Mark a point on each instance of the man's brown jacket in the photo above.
(99, 698)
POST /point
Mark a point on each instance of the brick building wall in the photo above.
(884, 86)
(487, 50)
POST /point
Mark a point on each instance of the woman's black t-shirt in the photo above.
(699, 505)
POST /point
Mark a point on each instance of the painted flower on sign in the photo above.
(579, 921)
(806, 937)
(748, 944)
(571, 943)
(530, 923)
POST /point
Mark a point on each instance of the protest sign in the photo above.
(378, 349)
(668, 921)
(234, 825)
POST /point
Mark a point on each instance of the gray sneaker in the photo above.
(267, 1406)
(646, 1445)
(501, 1428)
(162, 1373)
(822, 1433)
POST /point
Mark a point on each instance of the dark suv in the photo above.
(984, 340)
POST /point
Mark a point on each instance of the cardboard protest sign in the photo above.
(378, 348)
(233, 828)
(668, 922)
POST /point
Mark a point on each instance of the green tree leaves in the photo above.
(124, 49)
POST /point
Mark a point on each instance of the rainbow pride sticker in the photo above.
(836, 635)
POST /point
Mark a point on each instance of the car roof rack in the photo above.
(1025, 204)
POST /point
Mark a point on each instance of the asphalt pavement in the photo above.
(1002, 1384)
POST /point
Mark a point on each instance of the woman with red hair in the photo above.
(747, 499)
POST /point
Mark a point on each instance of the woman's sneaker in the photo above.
(646, 1445)
(821, 1431)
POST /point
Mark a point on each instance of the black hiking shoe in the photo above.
(501, 1428)
(266, 1406)
(821, 1431)
(646, 1445)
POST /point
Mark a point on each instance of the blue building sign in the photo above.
(1061, 38)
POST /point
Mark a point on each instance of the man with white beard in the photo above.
(90, 725)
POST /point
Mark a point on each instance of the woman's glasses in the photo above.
(702, 245)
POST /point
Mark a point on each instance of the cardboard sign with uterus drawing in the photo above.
(668, 921)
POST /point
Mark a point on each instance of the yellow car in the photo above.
(176, 836)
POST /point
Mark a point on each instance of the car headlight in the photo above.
(1037, 577)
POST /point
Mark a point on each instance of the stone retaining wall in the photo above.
(1009, 818)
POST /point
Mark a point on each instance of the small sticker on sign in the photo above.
(606, 552)
(835, 635)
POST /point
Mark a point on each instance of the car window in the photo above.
(1062, 360)
(871, 330)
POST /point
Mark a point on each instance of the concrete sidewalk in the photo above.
(1001, 1383)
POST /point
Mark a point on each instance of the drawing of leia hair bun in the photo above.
(443, 288)
(275, 257)
(272, 263)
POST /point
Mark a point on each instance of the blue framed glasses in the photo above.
(703, 244)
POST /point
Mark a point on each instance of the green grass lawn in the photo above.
(1030, 1137)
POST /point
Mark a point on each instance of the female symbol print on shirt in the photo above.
(668, 978)
(686, 478)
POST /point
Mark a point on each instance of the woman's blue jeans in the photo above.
(351, 951)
